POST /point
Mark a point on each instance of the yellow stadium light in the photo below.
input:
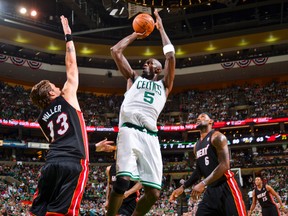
(271, 39)
(86, 51)
(243, 42)
(148, 52)
(20, 39)
(180, 52)
(211, 47)
(53, 47)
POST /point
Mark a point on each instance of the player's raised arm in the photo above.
(169, 52)
(71, 85)
(120, 60)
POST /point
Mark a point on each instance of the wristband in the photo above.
(168, 48)
(203, 182)
(68, 37)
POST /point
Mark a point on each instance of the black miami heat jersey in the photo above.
(206, 156)
(264, 197)
(65, 129)
(222, 197)
(112, 178)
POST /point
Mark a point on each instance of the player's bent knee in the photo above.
(155, 194)
(121, 185)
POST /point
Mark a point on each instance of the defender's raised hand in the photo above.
(65, 25)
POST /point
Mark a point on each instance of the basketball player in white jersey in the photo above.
(138, 149)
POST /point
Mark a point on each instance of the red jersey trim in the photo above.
(79, 190)
(237, 195)
(84, 133)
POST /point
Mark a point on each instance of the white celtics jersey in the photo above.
(143, 103)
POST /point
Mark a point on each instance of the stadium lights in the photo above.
(148, 52)
(53, 47)
(33, 13)
(211, 47)
(116, 8)
(24, 10)
(85, 50)
(271, 39)
(20, 39)
(170, 3)
(243, 42)
(179, 52)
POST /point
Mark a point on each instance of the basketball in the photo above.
(143, 23)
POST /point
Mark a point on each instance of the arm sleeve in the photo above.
(196, 175)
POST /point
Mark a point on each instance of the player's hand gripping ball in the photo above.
(143, 23)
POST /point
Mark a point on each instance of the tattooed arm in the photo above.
(69, 90)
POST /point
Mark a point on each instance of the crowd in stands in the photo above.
(241, 158)
(232, 103)
(17, 195)
(246, 158)
(16, 192)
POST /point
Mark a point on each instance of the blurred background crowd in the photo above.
(19, 169)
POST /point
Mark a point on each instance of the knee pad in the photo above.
(121, 185)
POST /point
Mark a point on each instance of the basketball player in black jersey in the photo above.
(131, 196)
(264, 194)
(222, 196)
(63, 177)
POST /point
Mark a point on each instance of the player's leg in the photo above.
(271, 211)
(234, 203)
(210, 202)
(145, 203)
(150, 170)
(71, 178)
(117, 194)
(126, 158)
(60, 189)
(127, 208)
(43, 192)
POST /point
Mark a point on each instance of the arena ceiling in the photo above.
(211, 30)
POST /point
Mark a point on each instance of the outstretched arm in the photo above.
(120, 60)
(69, 90)
(193, 178)
(105, 146)
(169, 52)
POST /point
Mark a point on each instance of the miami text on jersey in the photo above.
(202, 152)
